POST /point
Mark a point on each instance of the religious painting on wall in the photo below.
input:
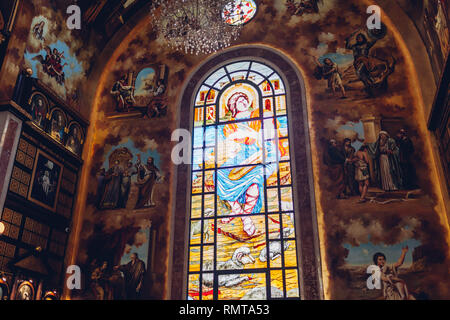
(119, 267)
(57, 126)
(143, 95)
(125, 171)
(45, 181)
(39, 109)
(363, 70)
(242, 212)
(59, 57)
(25, 291)
(75, 138)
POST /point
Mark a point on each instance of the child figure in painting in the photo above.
(394, 288)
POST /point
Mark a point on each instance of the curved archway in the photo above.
(302, 181)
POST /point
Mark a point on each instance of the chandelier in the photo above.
(196, 26)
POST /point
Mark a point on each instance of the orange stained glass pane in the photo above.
(233, 242)
(292, 287)
(197, 182)
(196, 207)
(194, 259)
(193, 286)
(276, 284)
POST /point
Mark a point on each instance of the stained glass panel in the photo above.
(239, 12)
(242, 207)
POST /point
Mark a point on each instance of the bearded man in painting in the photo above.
(385, 154)
(134, 272)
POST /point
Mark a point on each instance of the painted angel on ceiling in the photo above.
(298, 8)
(52, 64)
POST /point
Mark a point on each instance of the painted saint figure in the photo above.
(362, 173)
(385, 154)
(126, 184)
(57, 126)
(113, 181)
(148, 175)
(406, 153)
(134, 272)
(372, 71)
(329, 70)
(335, 160)
(242, 188)
(123, 94)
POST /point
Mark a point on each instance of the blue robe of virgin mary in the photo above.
(233, 183)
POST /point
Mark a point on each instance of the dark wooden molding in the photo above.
(303, 187)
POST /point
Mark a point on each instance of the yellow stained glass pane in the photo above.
(199, 117)
(208, 258)
(196, 207)
(280, 103)
(272, 200)
(210, 115)
(292, 287)
(211, 96)
(209, 206)
(196, 231)
(234, 241)
(277, 84)
(288, 225)
(266, 89)
(207, 287)
(268, 107)
(283, 149)
(197, 182)
(274, 254)
(194, 259)
(250, 286)
(276, 284)
(286, 199)
(193, 289)
(274, 226)
(209, 181)
(208, 231)
(285, 173)
(202, 95)
(271, 175)
(290, 254)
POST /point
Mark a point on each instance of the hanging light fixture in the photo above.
(196, 26)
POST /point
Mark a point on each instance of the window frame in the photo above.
(308, 253)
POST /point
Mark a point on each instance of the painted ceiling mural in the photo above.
(58, 56)
(377, 195)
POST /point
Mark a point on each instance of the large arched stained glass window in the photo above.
(242, 242)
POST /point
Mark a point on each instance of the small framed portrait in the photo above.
(38, 108)
(75, 138)
(45, 181)
(25, 291)
(58, 124)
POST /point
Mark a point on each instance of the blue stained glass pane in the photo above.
(198, 137)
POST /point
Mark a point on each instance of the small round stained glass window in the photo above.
(239, 12)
